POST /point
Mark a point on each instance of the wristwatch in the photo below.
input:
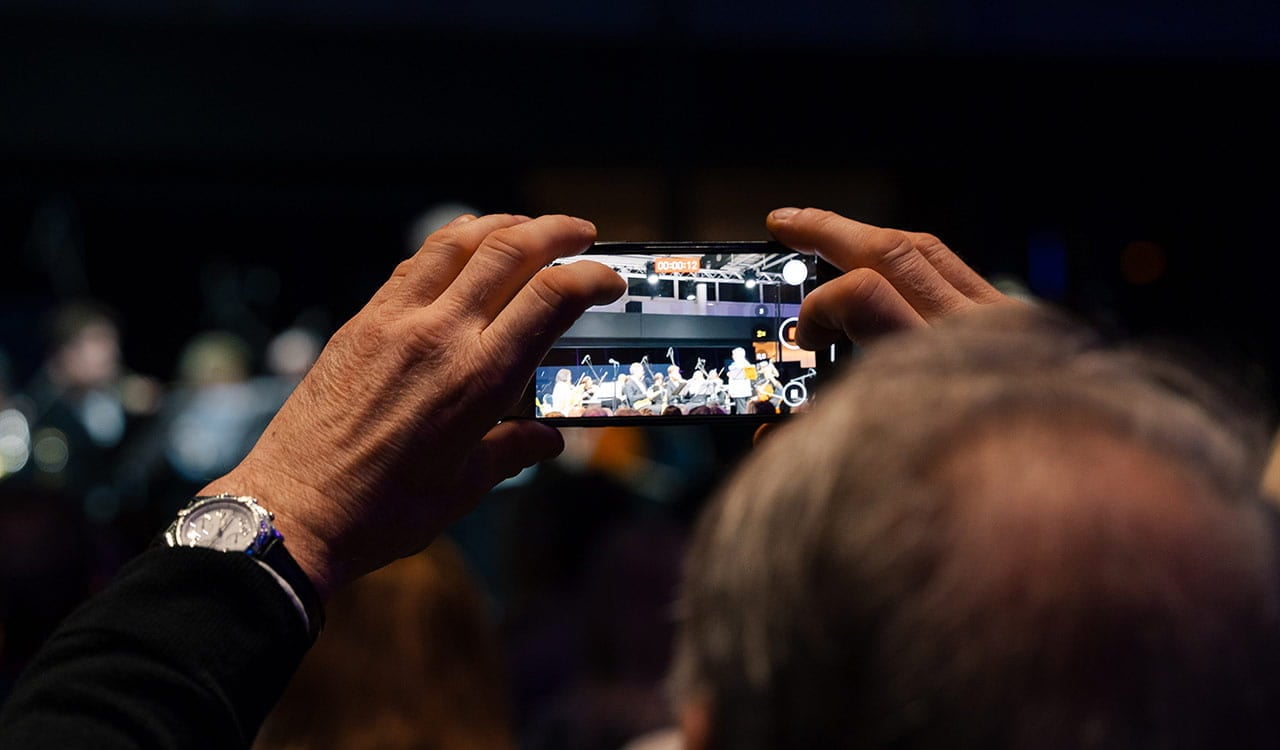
(237, 523)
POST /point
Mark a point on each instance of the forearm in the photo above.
(187, 648)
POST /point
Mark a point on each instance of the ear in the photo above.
(695, 723)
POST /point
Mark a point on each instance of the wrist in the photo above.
(236, 524)
(287, 503)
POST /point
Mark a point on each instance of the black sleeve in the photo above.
(187, 648)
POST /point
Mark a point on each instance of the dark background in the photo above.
(243, 163)
(245, 166)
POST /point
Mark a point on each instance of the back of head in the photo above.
(999, 532)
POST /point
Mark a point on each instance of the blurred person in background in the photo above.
(1271, 476)
(621, 630)
(50, 561)
(15, 425)
(213, 410)
(410, 660)
(289, 354)
(211, 415)
(51, 557)
(85, 406)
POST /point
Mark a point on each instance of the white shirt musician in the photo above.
(742, 375)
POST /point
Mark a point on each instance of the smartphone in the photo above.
(705, 333)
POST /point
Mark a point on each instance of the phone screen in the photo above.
(705, 332)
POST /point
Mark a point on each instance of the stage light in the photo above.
(795, 272)
(653, 275)
(750, 276)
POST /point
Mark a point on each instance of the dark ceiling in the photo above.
(157, 157)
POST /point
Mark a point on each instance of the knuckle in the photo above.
(452, 239)
(551, 288)
(852, 290)
(502, 244)
(930, 245)
(890, 246)
(402, 269)
(928, 240)
(447, 241)
(862, 284)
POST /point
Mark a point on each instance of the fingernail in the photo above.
(782, 214)
(587, 225)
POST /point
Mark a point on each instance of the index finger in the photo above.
(508, 257)
(545, 308)
(918, 264)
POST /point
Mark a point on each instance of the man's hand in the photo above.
(893, 279)
(394, 432)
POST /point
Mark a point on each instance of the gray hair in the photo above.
(1003, 531)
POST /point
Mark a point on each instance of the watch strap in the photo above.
(269, 551)
(277, 560)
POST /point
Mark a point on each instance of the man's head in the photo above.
(998, 532)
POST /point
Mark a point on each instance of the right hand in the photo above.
(394, 432)
(893, 279)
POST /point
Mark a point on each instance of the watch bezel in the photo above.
(263, 537)
(267, 549)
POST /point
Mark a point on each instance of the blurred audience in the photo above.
(84, 406)
(409, 660)
(49, 563)
(201, 429)
(586, 581)
(217, 405)
(624, 633)
(289, 355)
(15, 426)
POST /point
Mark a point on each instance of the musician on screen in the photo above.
(635, 390)
(562, 392)
(697, 390)
(675, 384)
(658, 392)
(742, 375)
(767, 385)
(584, 393)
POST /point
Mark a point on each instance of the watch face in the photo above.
(221, 526)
